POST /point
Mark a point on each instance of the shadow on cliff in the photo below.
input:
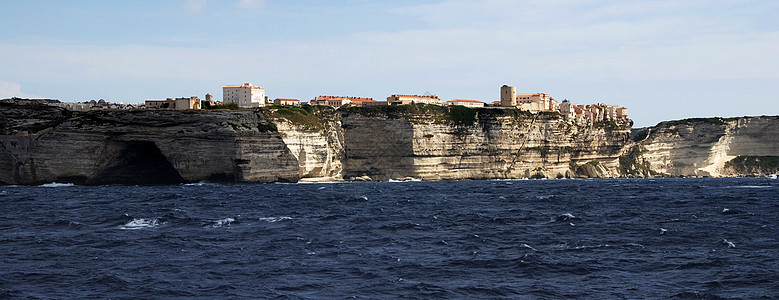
(134, 162)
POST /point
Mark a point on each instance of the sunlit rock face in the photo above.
(494, 145)
(41, 144)
(318, 151)
(703, 147)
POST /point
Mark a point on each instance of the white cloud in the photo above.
(463, 49)
(251, 4)
(194, 6)
(11, 89)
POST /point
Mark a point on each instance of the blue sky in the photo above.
(663, 60)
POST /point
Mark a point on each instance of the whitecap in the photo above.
(275, 219)
(728, 243)
(591, 247)
(527, 246)
(750, 187)
(663, 230)
(55, 184)
(407, 179)
(223, 222)
(136, 224)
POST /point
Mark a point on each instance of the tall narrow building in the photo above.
(508, 96)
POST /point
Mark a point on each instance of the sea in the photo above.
(512, 239)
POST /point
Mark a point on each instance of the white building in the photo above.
(286, 102)
(466, 103)
(245, 95)
(408, 99)
(567, 110)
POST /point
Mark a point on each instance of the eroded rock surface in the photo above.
(140, 147)
(702, 147)
(41, 144)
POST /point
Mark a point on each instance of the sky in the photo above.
(663, 60)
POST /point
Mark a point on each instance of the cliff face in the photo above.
(315, 139)
(45, 144)
(40, 144)
(703, 147)
(489, 144)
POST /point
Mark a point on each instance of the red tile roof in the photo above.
(465, 100)
(240, 86)
(355, 99)
(416, 96)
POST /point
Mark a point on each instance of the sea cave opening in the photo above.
(135, 162)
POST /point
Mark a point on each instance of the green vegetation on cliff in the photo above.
(754, 164)
(409, 112)
(715, 121)
(305, 116)
(455, 115)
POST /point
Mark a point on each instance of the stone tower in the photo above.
(508, 96)
(209, 97)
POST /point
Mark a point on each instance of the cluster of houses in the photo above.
(578, 113)
(248, 95)
(92, 105)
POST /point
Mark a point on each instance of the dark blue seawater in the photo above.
(595, 239)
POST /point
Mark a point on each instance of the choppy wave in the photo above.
(142, 223)
(223, 222)
(275, 219)
(564, 217)
(631, 239)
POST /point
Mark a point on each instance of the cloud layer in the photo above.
(585, 50)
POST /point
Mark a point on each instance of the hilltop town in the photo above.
(250, 96)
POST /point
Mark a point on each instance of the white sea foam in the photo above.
(663, 230)
(275, 219)
(405, 180)
(749, 187)
(55, 184)
(728, 243)
(527, 246)
(223, 222)
(312, 181)
(136, 224)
